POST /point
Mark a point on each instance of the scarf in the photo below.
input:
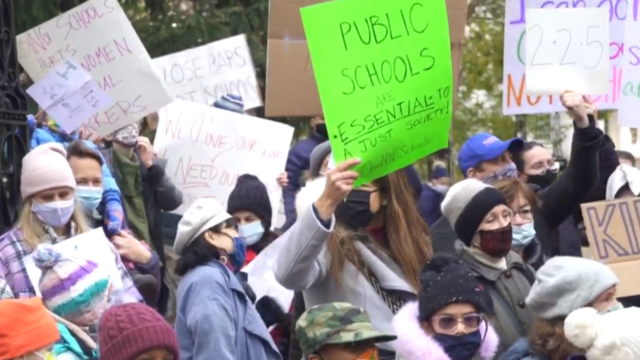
(130, 183)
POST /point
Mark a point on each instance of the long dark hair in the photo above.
(200, 251)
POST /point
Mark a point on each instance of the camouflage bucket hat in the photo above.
(335, 323)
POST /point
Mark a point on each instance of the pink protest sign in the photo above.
(516, 101)
(98, 36)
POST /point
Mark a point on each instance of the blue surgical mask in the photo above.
(252, 232)
(90, 197)
(508, 172)
(55, 213)
(239, 254)
(522, 235)
(616, 307)
(463, 347)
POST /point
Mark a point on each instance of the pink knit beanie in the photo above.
(44, 168)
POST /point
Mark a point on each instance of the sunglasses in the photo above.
(469, 321)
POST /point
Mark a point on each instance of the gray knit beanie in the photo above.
(566, 283)
(466, 204)
(316, 158)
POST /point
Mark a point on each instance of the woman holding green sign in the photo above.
(364, 246)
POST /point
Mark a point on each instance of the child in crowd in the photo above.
(75, 289)
(28, 331)
(136, 332)
(562, 285)
(338, 331)
(609, 336)
(448, 320)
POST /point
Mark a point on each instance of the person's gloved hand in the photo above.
(113, 216)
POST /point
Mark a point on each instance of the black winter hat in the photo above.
(250, 194)
(445, 280)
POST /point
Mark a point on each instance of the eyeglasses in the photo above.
(525, 214)
(469, 321)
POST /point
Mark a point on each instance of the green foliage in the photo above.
(480, 106)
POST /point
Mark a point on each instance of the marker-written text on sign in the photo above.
(515, 101)
(99, 37)
(384, 77)
(613, 229)
(205, 73)
(208, 149)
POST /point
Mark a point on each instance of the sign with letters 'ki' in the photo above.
(613, 230)
(383, 70)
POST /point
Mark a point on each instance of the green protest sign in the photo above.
(383, 70)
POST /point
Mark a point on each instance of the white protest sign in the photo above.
(99, 37)
(567, 49)
(262, 279)
(208, 148)
(69, 95)
(630, 84)
(205, 73)
(92, 245)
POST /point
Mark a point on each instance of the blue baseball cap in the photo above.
(483, 147)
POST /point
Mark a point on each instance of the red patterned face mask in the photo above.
(371, 354)
(496, 243)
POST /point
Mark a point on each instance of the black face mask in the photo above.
(322, 130)
(354, 212)
(543, 180)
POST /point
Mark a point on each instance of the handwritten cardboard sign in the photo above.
(630, 70)
(567, 49)
(613, 230)
(386, 89)
(208, 149)
(92, 245)
(291, 88)
(516, 101)
(70, 94)
(99, 37)
(205, 73)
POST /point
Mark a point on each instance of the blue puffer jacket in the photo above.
(111, 196)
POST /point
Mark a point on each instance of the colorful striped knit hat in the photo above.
(71, 287)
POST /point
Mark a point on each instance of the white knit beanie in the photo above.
(610, 336)
(466, 204)
(566, 283)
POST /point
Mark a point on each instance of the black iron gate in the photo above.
(13, 127)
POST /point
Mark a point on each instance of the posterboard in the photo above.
(98, 36)
(630, 72)
(514, 99)
(387, 98)
(208, 149)
(613, 230)
(567, 49)
(262, 279)
(205, 73)
(291, 85)
(92, 245)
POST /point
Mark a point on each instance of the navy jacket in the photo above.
(429, 204)
(297, 162)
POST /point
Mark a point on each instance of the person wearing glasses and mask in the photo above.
(482, 218)
(448, 320)
(558, 200)
(522, 201)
